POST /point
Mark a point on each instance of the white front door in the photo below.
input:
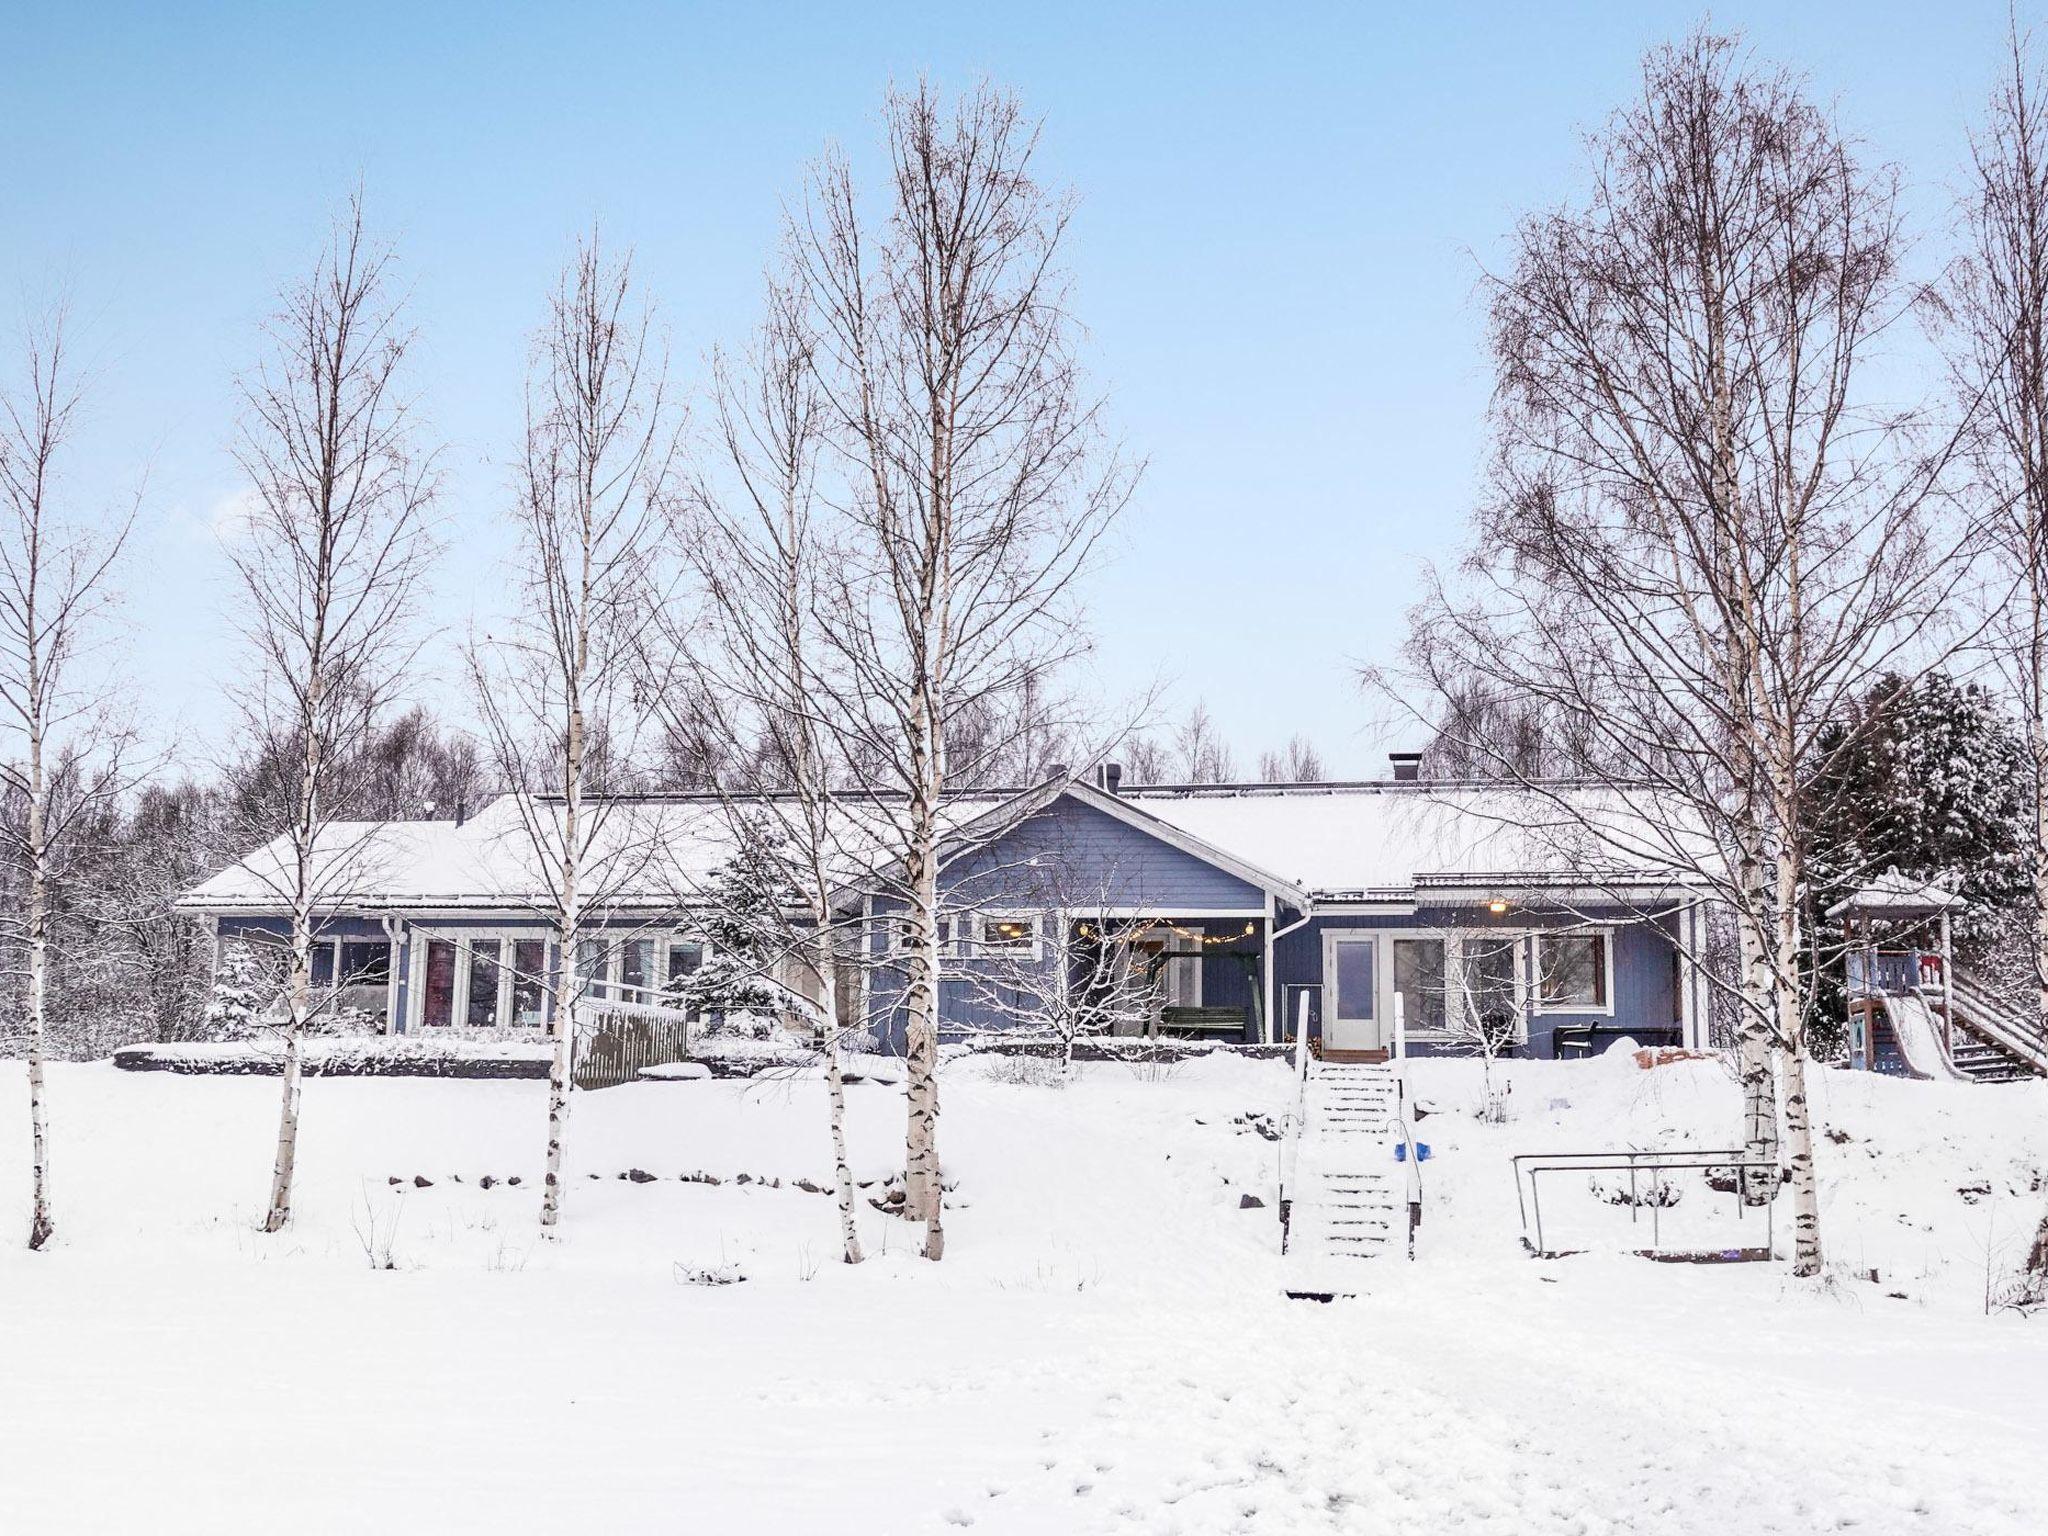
(1351, 987)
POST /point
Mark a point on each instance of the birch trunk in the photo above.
(835, 1088)
(2037, 751)
(42, 1225)
(1806, 1250)
(921, 1036)
(568, 980)
(299, 980)
(1753, 1039)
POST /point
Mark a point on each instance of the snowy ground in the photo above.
(1104, 1349)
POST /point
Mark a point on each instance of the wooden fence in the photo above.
(615, 1040)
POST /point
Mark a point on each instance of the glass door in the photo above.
(1351, 992)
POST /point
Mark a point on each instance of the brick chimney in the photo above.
(1407, 766)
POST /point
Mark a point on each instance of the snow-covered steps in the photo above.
(1346, 1200)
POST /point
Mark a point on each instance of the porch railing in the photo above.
(1892, 972)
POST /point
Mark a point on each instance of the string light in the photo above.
(1210, 940)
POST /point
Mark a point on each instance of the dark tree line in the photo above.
(124, 966)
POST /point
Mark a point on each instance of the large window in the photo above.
(1490, 1001)
(1572, 971)
(684, 961)
(636, 970)
(1419, 981)
(529, 983)
(507, 979)
(482, 1012)
(437, 1009)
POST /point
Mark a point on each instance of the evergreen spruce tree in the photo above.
(1929, 777)
(246, 993)
(744, 934)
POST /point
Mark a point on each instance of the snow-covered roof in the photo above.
(1395, 836)
(646, 851)
(1895, 895)
(1330, 841)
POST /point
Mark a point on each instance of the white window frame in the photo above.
(613, 939)
(979, 947)
(334, 971)
(1518, 938)
(1382, 1016)
(950, 925)
(1602, 931)
(1452, 954)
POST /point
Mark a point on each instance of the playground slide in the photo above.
(1917, 1028)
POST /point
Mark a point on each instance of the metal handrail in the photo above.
(1994, 1017)
(1632, 1162)
(1290, 1150)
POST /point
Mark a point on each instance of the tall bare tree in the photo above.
(329, 558)
(1300, 763)
(975, 486)
(1204, 756)
(560, 685)
(64, 761)
(1993, 313)
(756, 536)
(1707, 535)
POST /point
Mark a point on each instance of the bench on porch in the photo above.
(1591, 1039)
(1203, 1022)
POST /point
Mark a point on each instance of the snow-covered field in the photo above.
(1104, 1349)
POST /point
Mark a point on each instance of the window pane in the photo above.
(439, 1006)
(1575, 970)
(1006, 933)
(529, 983)
(483, 983)
(365, 976)
(364, 961)
(636, 966)
(1355, 985)
(590, 966)
(1419, 978)
(323, 963)
(1489, 984)
(683, 959)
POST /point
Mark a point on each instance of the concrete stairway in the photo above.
(1348, 1198)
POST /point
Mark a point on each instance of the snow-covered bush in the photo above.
(248, 991)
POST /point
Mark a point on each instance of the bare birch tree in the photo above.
(1706, 537)
(1993, 314)
(561, 685)
(328, 559)
(752, 526)
(971, 479)
(1300, 763)
(64, 762)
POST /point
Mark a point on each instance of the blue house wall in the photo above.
(1645, 985)
(1068, 857)
(1073, 856)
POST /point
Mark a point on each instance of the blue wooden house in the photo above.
(1238, 912)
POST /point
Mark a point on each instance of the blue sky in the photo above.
(1284, 210)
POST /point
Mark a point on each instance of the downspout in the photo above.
(396, 1020)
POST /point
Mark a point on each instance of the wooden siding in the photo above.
(1074, 855)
